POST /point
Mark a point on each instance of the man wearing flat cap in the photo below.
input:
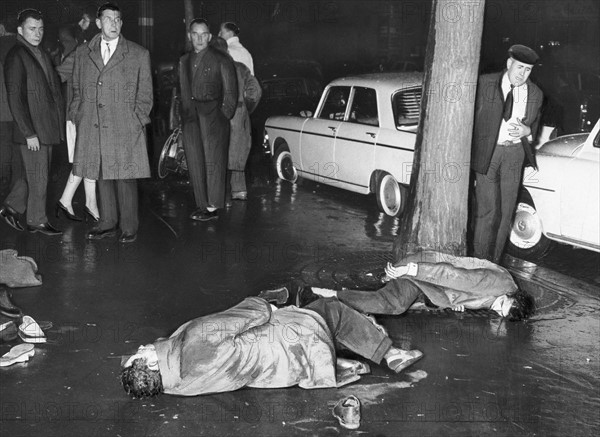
(507, 114)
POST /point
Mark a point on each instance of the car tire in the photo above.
(527, 239)
(284, 165)
(391, 196)
(163, 160)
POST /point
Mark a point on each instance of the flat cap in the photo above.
(523, 54)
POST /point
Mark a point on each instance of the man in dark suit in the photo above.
(209, 99)
(112, 99)
(507, 114)
(36, 103)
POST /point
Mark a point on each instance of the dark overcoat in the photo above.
(110, 107)
(35, 100)
(489, 107)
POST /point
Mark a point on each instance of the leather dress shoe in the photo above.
(44, 228)
(98, 234)
(127, 238)
(10, 216)
(204, 215)
(7, 307)
(303, 293)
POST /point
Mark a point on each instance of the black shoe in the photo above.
(10, 216)
(44, 228)
(7, 307)
(98, 234)
(60, 207)
(305, 296)
(127, 238)
(88, 213)
(204, 216)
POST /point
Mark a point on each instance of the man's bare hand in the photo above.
(458, 308)
(393, 272)
(33, 144)
(518, 129)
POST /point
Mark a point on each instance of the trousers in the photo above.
(28, 191)
(394, 298)
(352, 330)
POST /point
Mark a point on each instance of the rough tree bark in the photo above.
(437, 205)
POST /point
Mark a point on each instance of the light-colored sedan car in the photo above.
(561, 200)
(361, 137)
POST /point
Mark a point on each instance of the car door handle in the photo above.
(371, 134)
(333, 128)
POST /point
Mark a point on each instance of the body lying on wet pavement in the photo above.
(442, 281)
(254, 344)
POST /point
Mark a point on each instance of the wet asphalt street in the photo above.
(480, 375)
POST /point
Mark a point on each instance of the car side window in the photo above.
(406, 105)
(335, 104)
(364, 107)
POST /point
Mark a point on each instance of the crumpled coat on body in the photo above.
(248, 345)
(449, 280)
(110, 106)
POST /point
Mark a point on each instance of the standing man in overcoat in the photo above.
(112, 99)
(507, 114)
(209, 96)
(36, 104)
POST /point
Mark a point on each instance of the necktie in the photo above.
(508, 105)
(106, 56)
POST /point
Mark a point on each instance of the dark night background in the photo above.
(355, 31)
(349, 37)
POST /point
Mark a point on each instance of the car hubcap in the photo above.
(527, 227)
(287, 170)
(391, 195)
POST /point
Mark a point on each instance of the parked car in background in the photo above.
(361, 137)
(290, 87)
(561, 200)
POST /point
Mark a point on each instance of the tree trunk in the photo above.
(437, 205)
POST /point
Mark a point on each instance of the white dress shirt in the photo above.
(239, 53)
(518, 110)
(105, 45)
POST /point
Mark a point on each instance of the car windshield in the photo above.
(287, 88)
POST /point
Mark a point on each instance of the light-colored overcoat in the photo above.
(110, 107)
(249, 345)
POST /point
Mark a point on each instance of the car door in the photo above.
(580, 196)
(355, 142)
(318, 134)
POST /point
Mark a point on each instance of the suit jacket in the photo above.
(489, 106)
(248, 345)
(111, 105)
(35, 100)
(214, 82)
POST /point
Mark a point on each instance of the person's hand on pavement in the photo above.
(33, 144)
(458, 308)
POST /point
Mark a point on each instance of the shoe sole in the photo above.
(205, 219)
(28, 339)
(406, 364)
(109, 235)
(20, 359)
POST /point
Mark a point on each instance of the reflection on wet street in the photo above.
(480, 375)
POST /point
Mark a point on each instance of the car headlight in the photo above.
(266, 145)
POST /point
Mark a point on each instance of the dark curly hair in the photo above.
(522, 308)
(141, 382)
